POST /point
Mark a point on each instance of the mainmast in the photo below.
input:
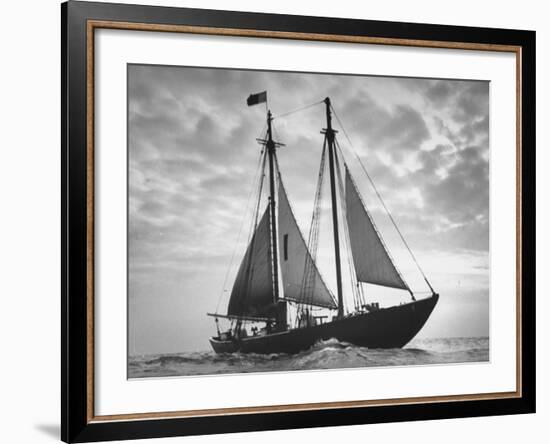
(329, 134)
(270, 145)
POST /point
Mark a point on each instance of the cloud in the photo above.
(396, 130)
(193, 156)
(472, 103)
(439, 92)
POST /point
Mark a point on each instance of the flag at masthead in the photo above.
(254, 99)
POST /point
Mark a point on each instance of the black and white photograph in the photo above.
(282, 221)
(263, 222)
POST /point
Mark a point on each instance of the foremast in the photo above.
(270, 147)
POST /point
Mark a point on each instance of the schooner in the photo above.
(277, 254)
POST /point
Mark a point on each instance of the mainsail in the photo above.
(372, 261)
(252, 293)
(302, 281)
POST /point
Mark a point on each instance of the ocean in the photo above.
(331, 354)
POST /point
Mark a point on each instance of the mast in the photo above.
(329, 134)
(270, 145)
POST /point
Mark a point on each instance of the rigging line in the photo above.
(259, 186)
(275, 133)
(249, 273)
(252, 188)
(381, 200)
(361, 293)
(313, 238)
(309, 257)
(307, 287)
(308, 279)
(343, 221)
(345, 225)
(347, 238)
(252, 237)
(314, 241)
(298, 109)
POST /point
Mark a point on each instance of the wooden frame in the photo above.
(79, 21)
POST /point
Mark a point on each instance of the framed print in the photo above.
(276, 221)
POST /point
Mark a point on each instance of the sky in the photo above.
(192, 158)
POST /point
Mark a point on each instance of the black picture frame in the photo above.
(77, 425)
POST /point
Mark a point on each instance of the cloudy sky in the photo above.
(193, 155)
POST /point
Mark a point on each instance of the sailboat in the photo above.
(278, 275)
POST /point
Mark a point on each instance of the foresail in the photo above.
(252, 293)
(302, 281)
(372, 261)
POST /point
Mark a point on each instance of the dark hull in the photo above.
(391, 327)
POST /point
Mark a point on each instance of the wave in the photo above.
(329, 354)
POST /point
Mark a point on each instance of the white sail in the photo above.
(252, 293)
(372, 261)
(302, 281)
